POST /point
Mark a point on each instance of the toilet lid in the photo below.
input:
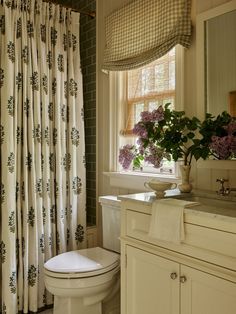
(96, 260)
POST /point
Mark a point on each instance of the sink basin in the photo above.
(220, 205)
(212, 202)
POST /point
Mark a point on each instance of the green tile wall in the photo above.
(88, 64)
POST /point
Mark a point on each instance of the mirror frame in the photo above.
(200, 49)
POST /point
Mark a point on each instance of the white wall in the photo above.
(202, 177)
(104, 7)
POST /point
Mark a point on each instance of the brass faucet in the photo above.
(223, 190)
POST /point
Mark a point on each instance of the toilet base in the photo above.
(71, 306)
(112, 306)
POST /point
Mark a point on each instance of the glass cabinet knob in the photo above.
(182, 279)
(173, 276)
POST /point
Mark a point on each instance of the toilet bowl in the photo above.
(81, 280)
(87, 281)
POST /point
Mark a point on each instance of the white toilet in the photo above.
(87, 281)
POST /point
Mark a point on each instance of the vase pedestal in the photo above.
(185, 186)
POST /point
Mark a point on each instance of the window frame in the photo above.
(118, 112)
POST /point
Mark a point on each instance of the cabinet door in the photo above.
(203, 293)
(149, 287)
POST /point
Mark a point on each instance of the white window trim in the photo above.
(135, 181)
(179, 103)
(128, 179)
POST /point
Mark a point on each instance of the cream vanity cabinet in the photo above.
(196, 277)
(149, 288)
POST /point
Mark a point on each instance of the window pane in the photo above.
(134, 83)
(138, 109)
(160, 77)
(169, 101)
(152, 105)
(146, 81)
(153, 79)
(148, 88)
(168, 166)
(172, 75)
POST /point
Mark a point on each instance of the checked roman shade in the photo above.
(145, 30)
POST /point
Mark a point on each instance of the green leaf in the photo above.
(136, 162)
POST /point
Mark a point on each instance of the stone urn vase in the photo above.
(185, 186)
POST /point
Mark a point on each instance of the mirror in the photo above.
(216, 49)
(220, 60)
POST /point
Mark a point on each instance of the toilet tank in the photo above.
(111, 207)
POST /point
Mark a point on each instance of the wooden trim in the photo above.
(232, 103)
(153, 96)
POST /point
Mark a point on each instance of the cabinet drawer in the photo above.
(213, 240)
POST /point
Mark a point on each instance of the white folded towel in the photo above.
(167, 220)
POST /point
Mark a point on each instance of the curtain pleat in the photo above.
(42, 172)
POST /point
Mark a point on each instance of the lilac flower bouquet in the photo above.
(162, 133)
(169, 134)
(219, 135)
(147, 148)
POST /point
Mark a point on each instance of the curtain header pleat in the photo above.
(144, 30)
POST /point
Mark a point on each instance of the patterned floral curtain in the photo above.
(42, 163)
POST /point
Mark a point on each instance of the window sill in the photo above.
(135, 181)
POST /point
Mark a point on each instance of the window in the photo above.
(147, 88)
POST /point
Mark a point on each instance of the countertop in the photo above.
(210, 204)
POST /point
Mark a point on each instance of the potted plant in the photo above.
(165, 133)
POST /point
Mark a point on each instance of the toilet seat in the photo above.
(82, 263)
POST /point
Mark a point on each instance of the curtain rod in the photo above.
(92, 14)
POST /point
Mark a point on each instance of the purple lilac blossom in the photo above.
(233, 144)
(224, 146)
(154, 116)
(126, 156)
(141, 148)
(155, 156)
(158, 114)
(231, 127)
(146, 116)
(140, 130)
